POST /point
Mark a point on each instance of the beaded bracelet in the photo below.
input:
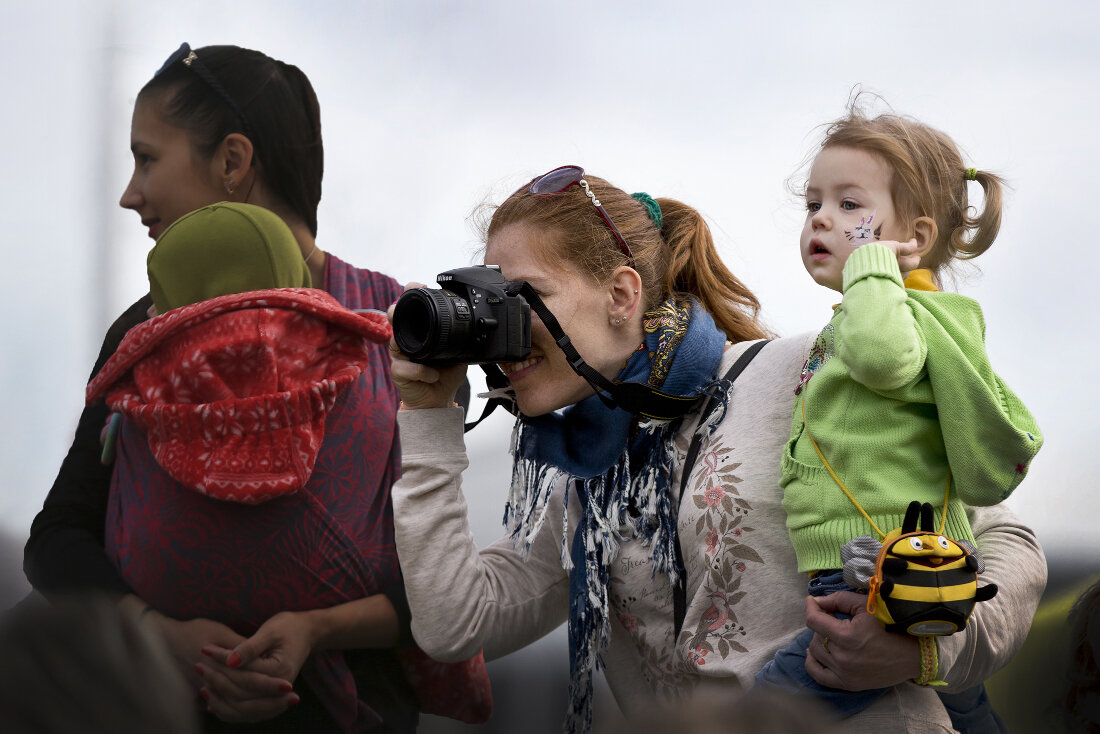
(929, 662)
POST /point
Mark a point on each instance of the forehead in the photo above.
(524, 252)
(839, 165)
(149, 123)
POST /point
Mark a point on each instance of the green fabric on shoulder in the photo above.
(222, 249)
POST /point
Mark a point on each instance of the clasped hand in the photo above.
(242, 679)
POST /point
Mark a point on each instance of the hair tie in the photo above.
(653, 209)
(971, 174)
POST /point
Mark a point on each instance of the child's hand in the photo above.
(908, 260)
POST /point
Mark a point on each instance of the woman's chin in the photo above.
(540, 401)
(531, 408)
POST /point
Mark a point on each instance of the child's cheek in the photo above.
(863, 232)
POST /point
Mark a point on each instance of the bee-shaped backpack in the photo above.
(919, 581)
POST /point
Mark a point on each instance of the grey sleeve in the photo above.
(1015, 562)
(462, 599)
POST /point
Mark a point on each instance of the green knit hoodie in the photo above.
(898, 387)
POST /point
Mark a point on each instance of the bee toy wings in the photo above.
(919, 581)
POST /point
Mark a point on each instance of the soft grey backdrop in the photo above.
(431, 108)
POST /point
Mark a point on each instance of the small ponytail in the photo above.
(983, 227)
(695, 269)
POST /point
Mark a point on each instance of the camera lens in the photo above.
(431, 324)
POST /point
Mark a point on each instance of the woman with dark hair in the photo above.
(213, 124)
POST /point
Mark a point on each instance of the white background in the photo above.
(431, 108)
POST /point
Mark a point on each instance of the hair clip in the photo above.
(190, 57)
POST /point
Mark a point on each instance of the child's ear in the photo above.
(925, 231)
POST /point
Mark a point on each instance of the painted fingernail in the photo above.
(206, 651)
(233, 661)
(294, 701)
(205, 694)
(286, 688)
(198, 669)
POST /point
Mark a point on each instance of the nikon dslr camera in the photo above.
(475, 317)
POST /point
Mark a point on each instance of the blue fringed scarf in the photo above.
(620, 473)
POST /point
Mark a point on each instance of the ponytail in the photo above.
(984, 227)
(695, 269)
(679, 259)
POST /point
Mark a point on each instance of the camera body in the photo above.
(475, 317)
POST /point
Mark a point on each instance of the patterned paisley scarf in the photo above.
(620, 470)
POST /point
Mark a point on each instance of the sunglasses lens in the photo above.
(557, 180)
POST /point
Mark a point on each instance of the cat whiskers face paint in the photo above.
(863, 232)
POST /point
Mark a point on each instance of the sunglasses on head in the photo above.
(192, 61)
(560, 179)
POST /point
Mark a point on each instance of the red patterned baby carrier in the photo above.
(252, 476)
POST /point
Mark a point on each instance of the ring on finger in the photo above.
(825, 643)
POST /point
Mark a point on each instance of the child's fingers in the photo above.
(845, 602)
(908, 260)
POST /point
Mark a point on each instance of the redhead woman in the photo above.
(661, 543)
(214, 124)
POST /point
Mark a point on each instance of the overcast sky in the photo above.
(432, 108)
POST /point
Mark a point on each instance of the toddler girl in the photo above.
(897, 400)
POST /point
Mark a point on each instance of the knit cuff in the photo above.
(871, 260)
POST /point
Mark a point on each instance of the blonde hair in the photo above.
(679, 259)
(929, 180)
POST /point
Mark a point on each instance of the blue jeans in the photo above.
(971, 712)
(787, 670)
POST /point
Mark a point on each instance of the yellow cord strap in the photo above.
(806, 428)
(929, 662)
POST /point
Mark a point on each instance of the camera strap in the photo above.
(634, 397)
(494, 380)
